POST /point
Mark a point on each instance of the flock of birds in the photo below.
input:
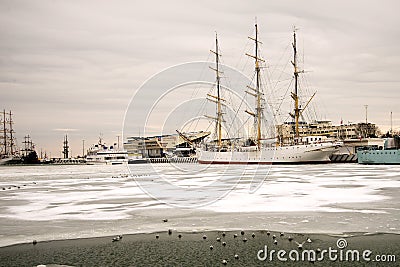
(122, 175)
(10, 187)
(221, 239)
(253, 235)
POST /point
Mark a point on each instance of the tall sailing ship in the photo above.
(258, 150)
(8, 149)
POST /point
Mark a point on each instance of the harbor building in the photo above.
(180, 145)
(286, 131)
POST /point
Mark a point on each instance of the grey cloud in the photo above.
(75, 64)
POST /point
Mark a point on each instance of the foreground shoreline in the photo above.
(179, 248)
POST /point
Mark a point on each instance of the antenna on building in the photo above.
(391, 122)
(83, 148)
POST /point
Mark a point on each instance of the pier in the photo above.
(344, 158)
(173, 160)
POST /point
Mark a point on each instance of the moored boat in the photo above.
(258, 150)
(388, 154)
(100, 153)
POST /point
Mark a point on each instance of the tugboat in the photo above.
(388, 154)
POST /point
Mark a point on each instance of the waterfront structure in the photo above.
(135, 147)
(164, 145)
(324, 129)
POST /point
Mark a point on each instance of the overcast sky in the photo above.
(72, 66)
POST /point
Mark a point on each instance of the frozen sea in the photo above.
(73, 201)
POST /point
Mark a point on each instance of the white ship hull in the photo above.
(5, 160)
(297, 154)
(108, 157)
(391, 156)
(106, 162)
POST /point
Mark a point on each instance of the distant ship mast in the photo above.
(8, 134)
(65, 147)
(11, 133)
(28, 145)
(4, 133)
(256, 92)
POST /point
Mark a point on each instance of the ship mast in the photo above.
(295, 93)
(219, 113)
(4, 132)
(11, 134)
(297, 110)
(65, 147)
(28, 145)
(257, 91)
(217, 99)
